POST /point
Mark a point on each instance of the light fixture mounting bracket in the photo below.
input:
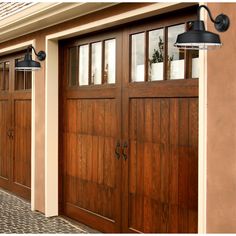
(221, 22)
(41, 55)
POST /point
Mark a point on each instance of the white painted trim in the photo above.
(8, 50)
(202, 144)
(33, 145)
(16, 47)
(202, 138)
(43, 15)
(51, 129)
(143, 12)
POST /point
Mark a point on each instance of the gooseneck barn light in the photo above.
(28, 64)
(197, 37)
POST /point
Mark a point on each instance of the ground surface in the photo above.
(16, 217)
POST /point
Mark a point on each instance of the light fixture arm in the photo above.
(41, 55)
(208, 11)
(221, 22)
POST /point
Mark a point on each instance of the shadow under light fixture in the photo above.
(28, 64)
(197, 37)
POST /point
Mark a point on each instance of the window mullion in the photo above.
(3, 77)
(77, 65)
(146, 61)
(90, 65)
(165, 64)
(186, 61)
(103, 61)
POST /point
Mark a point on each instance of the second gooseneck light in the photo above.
(197, 37)
(28, 64)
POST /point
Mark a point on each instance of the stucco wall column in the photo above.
(221, 139)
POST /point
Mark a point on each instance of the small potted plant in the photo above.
(156, 62)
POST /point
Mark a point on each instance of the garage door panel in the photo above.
(22, 144)
(90, 164)
(163, 164)
(15, 127)
(4, 140)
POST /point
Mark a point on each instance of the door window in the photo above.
(175, 60)
(194, 60)
(110, 62)
(4, 76)
(72, 62)
(138, 57)
(96, 77)
(154, 57)
(93, 63)
(84, 65)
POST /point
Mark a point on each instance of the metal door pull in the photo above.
(124, 151)
(117, 150)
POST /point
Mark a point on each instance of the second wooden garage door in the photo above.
(129, 131)
(15, 127)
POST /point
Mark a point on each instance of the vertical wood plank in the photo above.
(183, 164)
(147, 166)
(193, 166)
(173, 181)
(140, 155)
(164, 149)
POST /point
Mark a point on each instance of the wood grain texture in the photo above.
(22, 143)
(4, 142)
(163, 165)
(15, 134)
(90, 136)
(154, 190)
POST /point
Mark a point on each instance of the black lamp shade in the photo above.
(197, 38)
(27, 64)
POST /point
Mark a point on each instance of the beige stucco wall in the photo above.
(221, 139)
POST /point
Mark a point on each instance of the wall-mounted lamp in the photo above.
(197, 37)
(28, 64)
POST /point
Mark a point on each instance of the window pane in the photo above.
(72, 66)
(6, 75)
(137, 43)
(194, 55)
(19, 78)
(96, 63)
(1, 76)
(175, 56)
(28, 79)
(84, 65)
(156, 55)
(110, 62)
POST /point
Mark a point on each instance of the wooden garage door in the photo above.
(129, 129)
(15, 128)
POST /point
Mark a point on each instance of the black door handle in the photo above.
(9, 133)
(117, 150)
(124, 151)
